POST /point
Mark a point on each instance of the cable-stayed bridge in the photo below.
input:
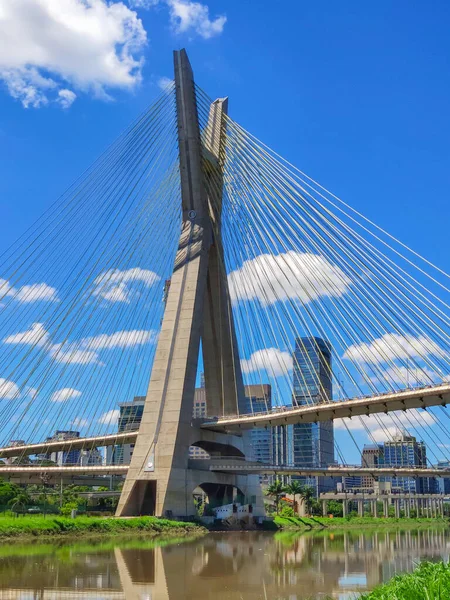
(190, 246)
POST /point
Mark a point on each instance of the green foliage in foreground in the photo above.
(348, 523)
(430, 581)
(37, 526)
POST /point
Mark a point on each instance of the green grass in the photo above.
(307, 523)
(51, 526)
(430, 581)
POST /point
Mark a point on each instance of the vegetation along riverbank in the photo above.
(308, 523)
(30, 526)
(430, 581)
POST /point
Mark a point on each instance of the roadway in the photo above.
(438, 395)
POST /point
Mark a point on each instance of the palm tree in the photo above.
(307, 495)
(276, 489)
(295, 488)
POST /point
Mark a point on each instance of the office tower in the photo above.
(313, 443)
(130, 415)
(258, 399)
(371, 457)
(404, 451)
(65, 457)
(199, 411)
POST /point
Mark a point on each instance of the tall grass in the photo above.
(430, 581)
(40, 526)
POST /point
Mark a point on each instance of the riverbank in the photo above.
(32, 527)
(308, 523)
(429, 580)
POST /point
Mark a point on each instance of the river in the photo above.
(219, 566)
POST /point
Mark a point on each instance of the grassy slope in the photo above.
(430, 581)
(40, 526)
(359, 522)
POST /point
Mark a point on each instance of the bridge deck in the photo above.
(341, 409)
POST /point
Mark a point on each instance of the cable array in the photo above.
(302, 267)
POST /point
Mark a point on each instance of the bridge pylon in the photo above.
(161, 478)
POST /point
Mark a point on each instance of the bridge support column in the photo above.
(375, 508)
(344, 508)
(360, 508)
(385, 508)
(160, 479)
(324, 508)
(397, 508)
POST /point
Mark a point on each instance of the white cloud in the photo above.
(385, 427)
(291, 275)
(193, 16)
(120, 286)
(91, 45)
(389, 347)
(187, 16)
(8, 389)
(66, 98)
(65, 394)
(85, 350)
(272, 360)
(37, 335)
(110, 418)
(407, 377)
(119, 339)
(143, 3)
(164, 82)
(36, 292)
(69, 354)
(79, 422)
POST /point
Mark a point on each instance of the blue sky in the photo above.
(354, 95)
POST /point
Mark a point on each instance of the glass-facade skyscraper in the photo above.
(313, 443)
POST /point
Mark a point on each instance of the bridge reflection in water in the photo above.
(231, 566)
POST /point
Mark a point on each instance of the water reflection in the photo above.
(225, 566)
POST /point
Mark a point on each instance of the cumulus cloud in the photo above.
(66, 98)
(291, 275)
(272, 360)
(110, 418)
(85, 350)
(65, 394)
(121, 286)
(50, 46)
(193, 16)
(36, 292)
(8, 389)
(391, 346)
(79, 422)
(187, 16)
(37, 335)
(164, 82)
(407, 377)
(384, 427)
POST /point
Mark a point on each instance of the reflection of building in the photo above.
(65, 457)
(313, 443)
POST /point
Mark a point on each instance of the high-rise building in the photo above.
(65, 457)
(130, 415)
(371, 457)
(258, 399)
(199, 411)
(313, 443)
(405, 451)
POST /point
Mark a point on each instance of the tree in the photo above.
(276, 490)
(307, 495)
(295, 488)
(8, 491)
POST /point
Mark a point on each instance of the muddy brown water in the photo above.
(219, 566)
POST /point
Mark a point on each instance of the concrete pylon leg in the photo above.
(344, 508)
(386, 508)
(374, 508)
(360, 508)
(160, 480)
(324, 508)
